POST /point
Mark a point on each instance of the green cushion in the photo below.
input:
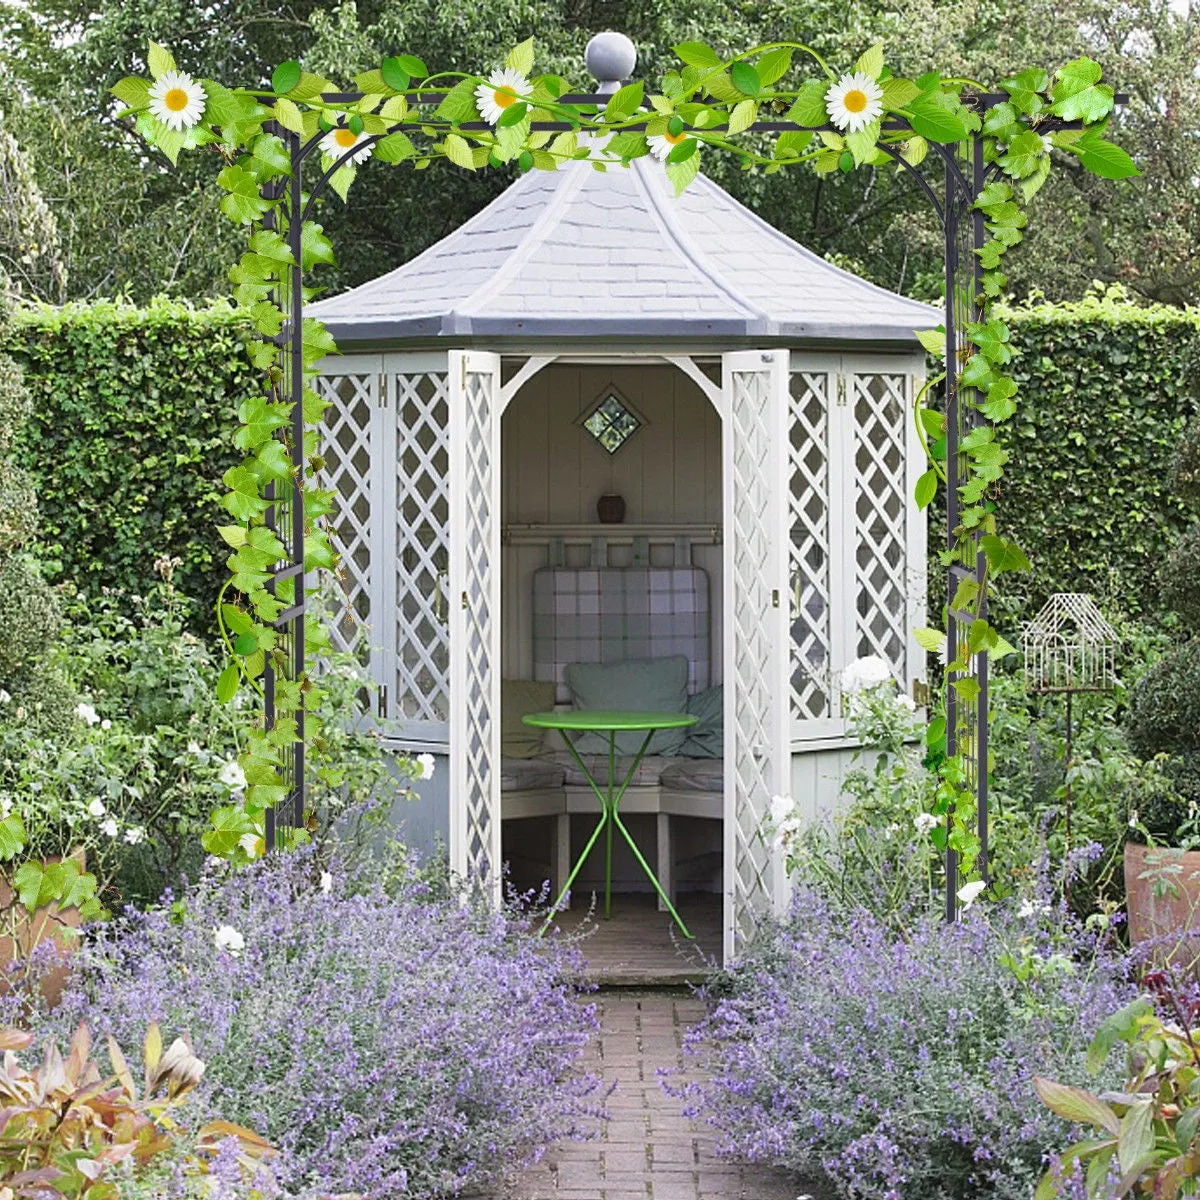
(706, 739)
(518, 697)
(641, 684)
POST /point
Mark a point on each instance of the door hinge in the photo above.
(383, 701)
(383, 391)
(841, 391)
(774, 597)
(465, 603)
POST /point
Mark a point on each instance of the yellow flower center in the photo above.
(675, 138)
(345, 137)
(176, 99)
(855, 100)
(504, 97)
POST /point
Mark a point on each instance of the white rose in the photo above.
(4, 696)
(85, 712)
(326, 882)
(969, 892)
(924, 822)
(866, 672)
(6, 804)
(228, 938)
(426, 763)
(134, 834)
(106, 724)
(907, 703)
(781, 808)
(109, 827)
(232, 775)
(96, 808)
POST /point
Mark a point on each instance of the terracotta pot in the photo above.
(49, 921)
(611, 509)
(1153, 915)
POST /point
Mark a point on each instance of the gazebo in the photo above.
(590, 335)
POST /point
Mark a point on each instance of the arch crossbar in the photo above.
(964, 173)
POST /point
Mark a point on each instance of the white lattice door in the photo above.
(475, 618)
(757, 645)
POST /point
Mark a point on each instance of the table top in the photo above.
(609, 721)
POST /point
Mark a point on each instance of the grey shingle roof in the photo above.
(578, 254)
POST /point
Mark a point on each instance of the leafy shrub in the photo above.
(68, 1132)
(902, 1067)
(389, 1042)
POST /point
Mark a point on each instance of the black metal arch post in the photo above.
(966, 173)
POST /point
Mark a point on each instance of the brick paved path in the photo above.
(647, 1151)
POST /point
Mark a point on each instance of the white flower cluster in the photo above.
(925, 822)
(225, 937)
(865, 673)
(784, 818)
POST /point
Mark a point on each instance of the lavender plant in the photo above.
(389, 1043)
(902, 1066)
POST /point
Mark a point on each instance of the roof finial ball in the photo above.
(611, 58)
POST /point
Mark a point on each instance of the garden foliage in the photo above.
(904, 1065)
(388, 1042)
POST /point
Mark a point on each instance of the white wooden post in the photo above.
(475, 618)
(757, 645)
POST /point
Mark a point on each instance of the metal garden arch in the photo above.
(966, 173)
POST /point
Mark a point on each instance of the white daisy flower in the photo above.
(134, 834)
(109, 828)
(232, 775)
(225, 937)
(969, 892)
(661, 144)
(96, 808)
(501, 90)
(924, 822)
(252, 844)
(854, 102)
(85, 712)
(426, 763)
(338, 142)
(177, 100)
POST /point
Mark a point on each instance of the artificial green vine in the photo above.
(704, 106)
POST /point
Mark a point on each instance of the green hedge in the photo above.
(134, 410)
(1106, 389)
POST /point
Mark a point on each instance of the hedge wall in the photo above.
(1106, 389)
(134, 409)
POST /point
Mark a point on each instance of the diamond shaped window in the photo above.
(612, 422)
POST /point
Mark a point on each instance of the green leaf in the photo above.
(12, 837)
(1078, 95)
(743, 116)
(159, 60)
(315, 247)
(414, 66)
(459, 152)
(681, 174)
(1103, 158)
(745, 78)
(520, 58)
(809, 108)
(1003, 555)
(1136, 1136)
(934, 340)
(514, 114)
(698, 54)
(244, 203)
(977, 373)
(683, 151)
(394, 148)
(936, 115)
(999, 405)
(459, 103)
(132, 91)
(273, 461)
(1024, 151)
(232, 535)
(29, 880)
(871, 62)
(628, 145)
(774, 65)
(227, 683)
(792, 143)
(229, 826)
(289, 116)
(285, 77)
(341, 180)
(897, 93)
(625, 101)
(932, 640)
(862, 144)
(992, 338)
(926, 489)
(271, 155)
(244, 499)
(394, 74)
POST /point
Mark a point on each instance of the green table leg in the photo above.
(609, 805)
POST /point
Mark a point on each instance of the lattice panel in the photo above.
(880, 523)
(347, 473)
(752, 650)
(808, 554)
(480, 720)
(422, 546)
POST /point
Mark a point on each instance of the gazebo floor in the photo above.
(638, 946)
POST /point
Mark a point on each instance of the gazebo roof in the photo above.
(615, 256)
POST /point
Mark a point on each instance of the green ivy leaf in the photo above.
(243, 500)
(992, 338)
(1003, 555)
(12, 837)
(999, 405)
(315, 247)
(1024, 152)
(229, 826)
(244, 203)
(1078, 95)
(1025, 90)
(271, 157)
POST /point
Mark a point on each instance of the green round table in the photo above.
(582, 720)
